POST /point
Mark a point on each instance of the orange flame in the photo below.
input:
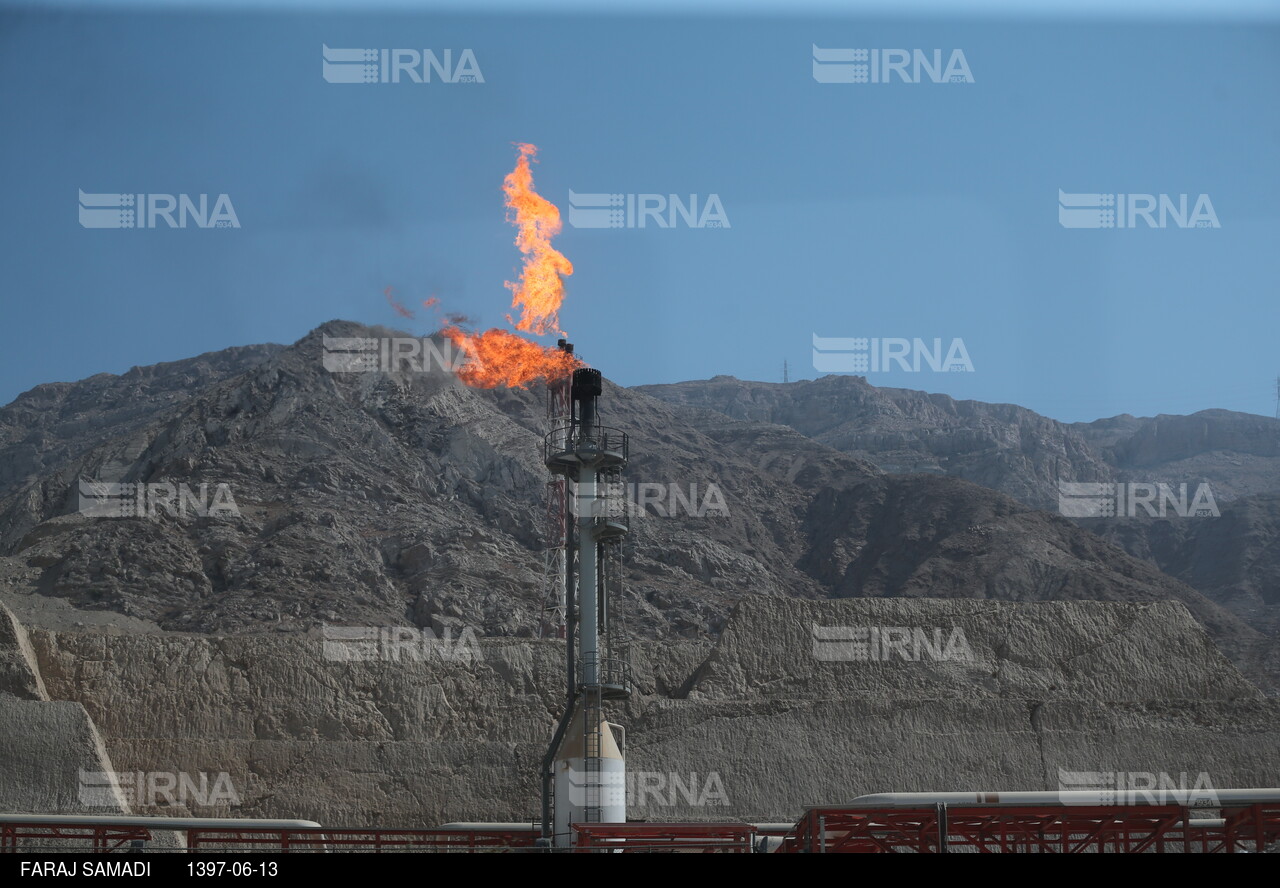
(540, 290)
(497, 357)
(501, 358)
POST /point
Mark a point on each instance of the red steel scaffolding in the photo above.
(1063, 829)
(1047, 829)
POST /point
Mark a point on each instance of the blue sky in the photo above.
(879, 210)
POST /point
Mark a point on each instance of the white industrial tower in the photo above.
(584, 771)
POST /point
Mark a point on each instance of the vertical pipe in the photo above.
(588, 581)
(602, 608)
(562, 410)
(570, 606)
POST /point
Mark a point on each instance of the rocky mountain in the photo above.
(56, 422)
(1233, 560)
(406, 498)
(751, 727)
(1001, 446)
(194, 639)
(1238, 454)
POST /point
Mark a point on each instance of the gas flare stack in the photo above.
(584, 771)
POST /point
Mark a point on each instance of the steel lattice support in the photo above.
(731, 838)
(1063, 829)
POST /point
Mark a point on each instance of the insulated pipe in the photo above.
(570, 620)
(549, 760)
(570, 680)
(1199, 798)
(587, 385)
(570, 611)
(588, 581)
(158, 822)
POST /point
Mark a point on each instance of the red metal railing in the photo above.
(1044, 830)
(363, 840)
(102, 838)
(732, 838)
(43, 836)
(1064, 829)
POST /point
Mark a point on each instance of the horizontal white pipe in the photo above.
(157, 822)
(1199, 798)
